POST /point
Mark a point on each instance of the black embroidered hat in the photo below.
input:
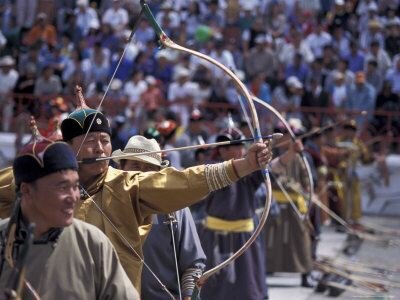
(229, 134)
(41, 157)
(79, 121)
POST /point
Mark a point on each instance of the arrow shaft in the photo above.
(185, 148)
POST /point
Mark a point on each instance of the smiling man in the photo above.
(69, 259)
(121, 203)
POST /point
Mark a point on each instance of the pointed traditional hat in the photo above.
(41, 157)
(81, 120)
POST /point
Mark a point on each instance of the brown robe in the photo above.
(288, 243)
(80, 264)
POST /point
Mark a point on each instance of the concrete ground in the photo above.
(286, 286)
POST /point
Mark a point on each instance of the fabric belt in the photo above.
(298, 199)
(217, 224)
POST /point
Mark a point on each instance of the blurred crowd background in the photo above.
(316, 61)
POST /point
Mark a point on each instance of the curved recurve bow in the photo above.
(167, 42)
(293, 137)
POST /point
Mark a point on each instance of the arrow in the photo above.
(274, 136)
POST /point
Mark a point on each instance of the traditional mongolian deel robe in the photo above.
(288, 238)
(351, 183)
(129, 199)
(334, 156)
(159, 255)
(76, 262)
(229, 224)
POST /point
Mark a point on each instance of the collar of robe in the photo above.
(50, 236)
(96, 186)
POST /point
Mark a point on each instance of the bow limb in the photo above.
(293, 137)
(167, 42)
(276, 179)
(17, 280)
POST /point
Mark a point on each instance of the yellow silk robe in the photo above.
(129, 199)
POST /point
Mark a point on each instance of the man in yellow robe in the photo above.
(358, 152)
(121, 203)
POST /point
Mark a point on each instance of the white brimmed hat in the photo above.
(7, 61)
(140, 144)
(294, 82)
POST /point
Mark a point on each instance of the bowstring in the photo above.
(125, 240)
(130, 39)
(277, 180)
(304, 163)
(171, 226)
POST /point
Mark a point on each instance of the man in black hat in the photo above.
(68, 258)
(229, 223)
(121, 203)
(129, 199)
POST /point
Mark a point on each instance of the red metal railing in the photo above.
(385, 135)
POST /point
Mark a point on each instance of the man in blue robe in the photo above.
(159, 252)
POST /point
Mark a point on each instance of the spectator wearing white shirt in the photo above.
(97, 47)
(261, 58)
(297, 45)
(214, 14)
(380, 56)
(338, 91)
(77, 64)
(181, 94)
(287, 97)
(85, 16)
(318, 40)
(167, 12)
(48, 83)
(192, 18)
(116, 16)
(276, 19)
(341, 40)
(100, 63)
(144, 33)
(343, 69)
(135, 87)
(374, 33)
(363, 7)
(225, 57)
(8, 79)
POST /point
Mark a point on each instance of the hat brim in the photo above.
(143, 158)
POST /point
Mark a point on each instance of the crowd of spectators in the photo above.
(291, 53)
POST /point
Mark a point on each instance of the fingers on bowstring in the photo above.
(267, 143)
(265, 155)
